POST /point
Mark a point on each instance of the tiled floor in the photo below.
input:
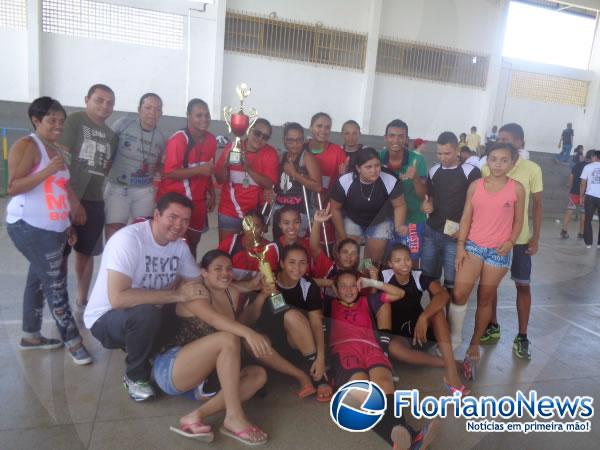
(48, 402)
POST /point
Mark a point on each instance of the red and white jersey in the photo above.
(241, 194)
(330, 160)
(195, 187)
(244, 265)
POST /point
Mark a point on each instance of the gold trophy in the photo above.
(259, 252)
(239, 122)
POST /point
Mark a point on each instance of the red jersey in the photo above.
(330, 160)
(354, 323)
(195, 187)
(241, 194)
(244, 265)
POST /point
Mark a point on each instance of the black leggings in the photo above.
(590, 205)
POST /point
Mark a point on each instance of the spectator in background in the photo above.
(575, 204)
(188, 168)
(577, 156)
(590, 193)
(462, 140)
(565, 143)
(492, 136)
(469, 157)
(473, 140)
(91, 144)
(129, 191)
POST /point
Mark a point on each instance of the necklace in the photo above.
(363, 195)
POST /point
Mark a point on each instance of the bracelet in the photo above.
(460, 241)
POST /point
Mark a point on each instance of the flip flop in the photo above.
(203, 432)
(426, 435)
(324, 393)
(306, 391)
(244, 436)
(400, 438)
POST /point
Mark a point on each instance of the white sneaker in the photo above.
(138, 390)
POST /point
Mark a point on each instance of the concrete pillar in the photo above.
(206, 35)
(34, 33)
(368, 84)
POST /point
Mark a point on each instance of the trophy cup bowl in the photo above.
(239, 123)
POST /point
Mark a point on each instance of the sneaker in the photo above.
(138, 390)
(588, 246)
(579, 236)
(564, 234)
(40, 343)
(521, 348)
(80, 355)
(491, 335)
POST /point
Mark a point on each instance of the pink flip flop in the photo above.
(198, 431)
(245, 436)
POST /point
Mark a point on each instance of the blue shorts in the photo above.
(229, 223)
(520, 270)
(382, 230)
(489, 256)
(162, 372)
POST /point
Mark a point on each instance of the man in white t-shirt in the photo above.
(141, 268)
(590, 197)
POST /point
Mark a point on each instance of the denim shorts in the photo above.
(162, 371)
(520, 270)
(489, 255)
(229, 223)
(382, 230)
(439, 252)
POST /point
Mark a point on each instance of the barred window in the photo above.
(13, 14)
(107, 21)
(548, 88)
(285, 39)
(413, 60)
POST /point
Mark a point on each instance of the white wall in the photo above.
(71, 65)
(427, 108)
(13, 60)
(462, 24)
(285, 91)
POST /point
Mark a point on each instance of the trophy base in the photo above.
(235, 157)
(278, 304)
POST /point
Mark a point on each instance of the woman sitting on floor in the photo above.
(200, 357)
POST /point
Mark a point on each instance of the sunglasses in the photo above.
(260, 135)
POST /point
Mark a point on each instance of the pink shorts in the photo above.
(353, 357)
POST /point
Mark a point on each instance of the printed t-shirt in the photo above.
(133, 252)
(91, 147)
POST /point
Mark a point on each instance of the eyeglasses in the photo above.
(260, 135)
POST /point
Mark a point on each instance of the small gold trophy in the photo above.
(239, 122)
(259, 252)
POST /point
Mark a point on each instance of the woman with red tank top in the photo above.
(491, 222)
(38, 220)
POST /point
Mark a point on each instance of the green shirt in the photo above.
(91, 148)
(413, 202)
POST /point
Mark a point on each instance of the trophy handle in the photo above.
(227, 111)
(253, 115)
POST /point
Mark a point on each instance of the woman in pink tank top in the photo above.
(491, 222)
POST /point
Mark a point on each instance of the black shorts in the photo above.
(89, 235)
(406, 328)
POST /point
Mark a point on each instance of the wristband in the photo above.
(385, 298)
